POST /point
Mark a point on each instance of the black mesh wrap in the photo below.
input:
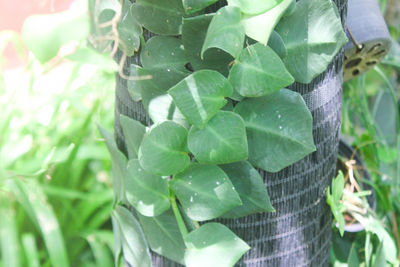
(298, 233)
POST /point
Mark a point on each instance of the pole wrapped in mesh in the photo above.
(298, 233)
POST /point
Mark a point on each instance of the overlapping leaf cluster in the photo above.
(220, 109)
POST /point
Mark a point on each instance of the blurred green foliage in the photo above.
(55, 196)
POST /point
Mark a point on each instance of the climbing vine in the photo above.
(213, 84)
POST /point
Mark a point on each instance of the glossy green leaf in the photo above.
(276, 43)
(213, 244)
(162, 17)
(134, 244)
(194, 31)
(162, 233)
(205, 192)
(225, 32)
(250, 186)
(254, 6)
(133, 132)
(313, 35)
(200, 95)
(119, 162)
(157, 102)
(192, 6)
(222, 140)
(164, 52)
(279, 129)
(260, 27)
(45, 34)
(32, 198)
(163, 149)
(259, 71)
(333, 198)
(147, 192)
(129, 30)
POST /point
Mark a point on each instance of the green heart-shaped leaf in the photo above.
(213, 244)
(276, 43)
(222, 140)
(162, 17)
(156, 100)
(259, 71)
(250, 186)
(133, 132)
(200, 95)
(164, 52)
(204, 191)
(313, 35)
(279, 129)
(260, 27)
(146, 192)
(194, 31)
(129, 30)
(254, 6)
(192, 6)
(225, 32)
(163, 149)
(162, 233)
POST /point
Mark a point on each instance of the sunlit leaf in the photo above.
(205, 192)
(147, 192)
(134, 244)
(213, 244)
(313, 35)
(259, 71)
(163, 149)
(260, 27)
(250, 186)
(44, 35)
(222, 140)
(200, 95)
(225, 32)
(254, 6)
(279, 129)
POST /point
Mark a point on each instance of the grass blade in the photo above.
(30, 195)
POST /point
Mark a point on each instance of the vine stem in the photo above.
(178, 216)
